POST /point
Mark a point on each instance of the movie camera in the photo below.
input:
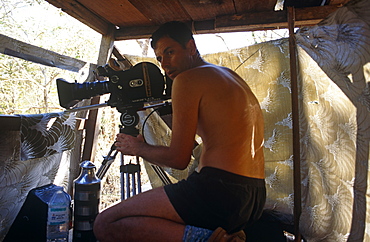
(129, 90)
(142, 83)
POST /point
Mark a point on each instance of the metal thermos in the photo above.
(86, 203)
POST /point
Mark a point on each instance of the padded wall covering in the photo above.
(334, 99)
(46, 134)
(32, 158)
(336, 129)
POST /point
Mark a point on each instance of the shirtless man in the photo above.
(228, 189)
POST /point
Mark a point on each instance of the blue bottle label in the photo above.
(57, 216)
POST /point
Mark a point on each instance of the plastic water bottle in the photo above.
(57, 228)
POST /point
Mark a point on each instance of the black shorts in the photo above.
(216, 198)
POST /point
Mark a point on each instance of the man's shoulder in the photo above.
(208, 67)
(206, 71)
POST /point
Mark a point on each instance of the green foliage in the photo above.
(26, 87)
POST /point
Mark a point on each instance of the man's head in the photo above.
(176, 30)
(175, 48)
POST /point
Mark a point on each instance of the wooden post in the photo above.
(295, 117)
(92, 124)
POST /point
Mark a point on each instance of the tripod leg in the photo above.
(138, 180)
(122, 180)
(107, 162)
(133, 179)
(127, 185)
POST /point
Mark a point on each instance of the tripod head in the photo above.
(129, 120)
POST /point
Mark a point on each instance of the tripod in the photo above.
(130, 173)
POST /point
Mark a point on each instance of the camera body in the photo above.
(142, 83)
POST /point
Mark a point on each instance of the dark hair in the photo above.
(176, 30)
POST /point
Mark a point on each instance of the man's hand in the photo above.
(127, 144)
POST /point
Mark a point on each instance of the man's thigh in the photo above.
(152, 203)
(143, 217)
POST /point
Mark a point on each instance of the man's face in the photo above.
(174, 58)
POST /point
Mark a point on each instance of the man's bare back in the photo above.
(232, 143)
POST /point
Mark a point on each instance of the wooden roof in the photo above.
(133, 19)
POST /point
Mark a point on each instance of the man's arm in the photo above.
(185, 104)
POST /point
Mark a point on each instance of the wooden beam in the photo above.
(313, 15)
(92, 124)
(240, 22)
(273, 20)
(295, 120)
(251, 21)
(139, 32)
(121, 58)
(333, 2)
(16, 48)
(84, 15)
(10, 122)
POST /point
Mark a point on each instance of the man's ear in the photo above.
(192, 47)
